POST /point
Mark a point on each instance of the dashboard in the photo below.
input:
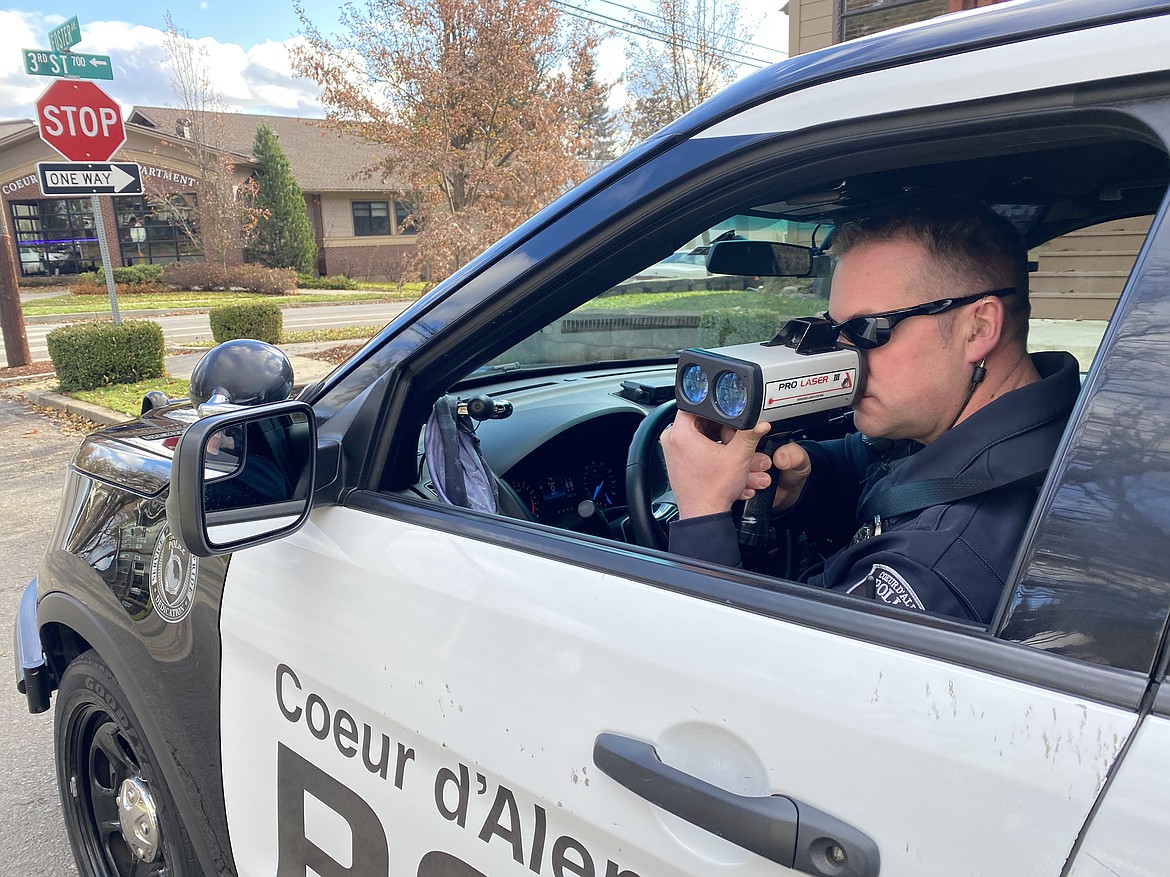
(563, 449)
(584, 464)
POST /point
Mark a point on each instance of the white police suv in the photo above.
(348, 635)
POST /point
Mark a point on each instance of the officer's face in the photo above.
(918, 380)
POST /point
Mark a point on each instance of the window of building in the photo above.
(860, 17)
(55, 236)
(156, 232)
(401, 225)
(371, 217)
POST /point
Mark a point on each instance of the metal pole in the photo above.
(104, 245)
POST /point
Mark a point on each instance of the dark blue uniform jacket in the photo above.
(950, 559)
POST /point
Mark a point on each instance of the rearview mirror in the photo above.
(760, 259)
(242, 478)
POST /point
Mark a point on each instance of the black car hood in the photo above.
(136, 455)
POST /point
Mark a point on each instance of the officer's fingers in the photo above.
(759, 480)
(750, 437)
(793, 459)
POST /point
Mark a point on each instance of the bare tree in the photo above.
(477, 103)
(221, 216)
(701, 46)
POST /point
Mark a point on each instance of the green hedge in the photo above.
(332, 281)
(724, 326)
(125, 276)
(90, 355)
(260, 320)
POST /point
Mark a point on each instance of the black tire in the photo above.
(99, 747)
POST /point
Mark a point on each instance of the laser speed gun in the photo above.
(802, 377)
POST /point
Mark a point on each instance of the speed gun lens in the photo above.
(731, 394)
(694, 384)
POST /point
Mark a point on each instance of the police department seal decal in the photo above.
(173, 572)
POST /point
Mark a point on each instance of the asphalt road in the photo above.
(182, 329)
(32, 473)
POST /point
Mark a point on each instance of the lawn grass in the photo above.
(83, 304)
(700, 301)
(339, 333)
(127, 398)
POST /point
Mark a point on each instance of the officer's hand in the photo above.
(795, 466)
(710, 467)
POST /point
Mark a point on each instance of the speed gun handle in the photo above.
(757, 511)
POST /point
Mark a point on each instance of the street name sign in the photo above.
(89, 178)
(39, 62)
(80, 121)
(65, 35)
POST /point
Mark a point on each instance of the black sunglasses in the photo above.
(874, 330)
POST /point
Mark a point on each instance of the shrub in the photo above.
(334, 281)
(260, 320)
(90, 355)
(86, 283)
(725, 326)
(49, 282)
(252, 278)
(130, 275)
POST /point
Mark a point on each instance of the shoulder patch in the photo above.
(889, 587)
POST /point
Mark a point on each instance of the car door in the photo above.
(413, 688)
(456, 686)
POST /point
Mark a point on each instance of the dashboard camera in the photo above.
(802, 375)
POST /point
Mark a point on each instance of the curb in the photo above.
(49, 399)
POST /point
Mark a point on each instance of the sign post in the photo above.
(84, 124)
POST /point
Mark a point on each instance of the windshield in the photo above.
(675, 303)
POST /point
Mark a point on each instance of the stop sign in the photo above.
(80, 121)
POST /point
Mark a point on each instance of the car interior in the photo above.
(587, 394)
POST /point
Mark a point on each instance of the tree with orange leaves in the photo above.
(477, 103)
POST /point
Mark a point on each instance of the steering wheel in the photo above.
(646, 476)
(646, 480)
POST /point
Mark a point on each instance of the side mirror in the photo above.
(242, 478)
(759, 259)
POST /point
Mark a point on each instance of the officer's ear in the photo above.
(984, 327)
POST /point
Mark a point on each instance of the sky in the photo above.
(247, 45)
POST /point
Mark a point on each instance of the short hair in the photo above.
(962, 238)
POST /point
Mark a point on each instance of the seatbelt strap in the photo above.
(914, 496)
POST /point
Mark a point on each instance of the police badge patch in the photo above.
(173, 573)
(886, 585)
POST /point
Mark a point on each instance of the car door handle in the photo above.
(793, 834)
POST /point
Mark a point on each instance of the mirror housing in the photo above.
(760, 259)
(243, 478)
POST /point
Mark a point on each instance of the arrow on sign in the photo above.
(89, 178)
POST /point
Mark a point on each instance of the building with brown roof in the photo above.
(358, 218)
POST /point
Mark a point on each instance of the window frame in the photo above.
(370, 217)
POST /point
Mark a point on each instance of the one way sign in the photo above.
(89, 178)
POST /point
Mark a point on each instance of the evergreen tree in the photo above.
(600, 125)
(283, 235)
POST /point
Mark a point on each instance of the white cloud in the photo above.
(258, 79)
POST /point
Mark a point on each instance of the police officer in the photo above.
(936, 294)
